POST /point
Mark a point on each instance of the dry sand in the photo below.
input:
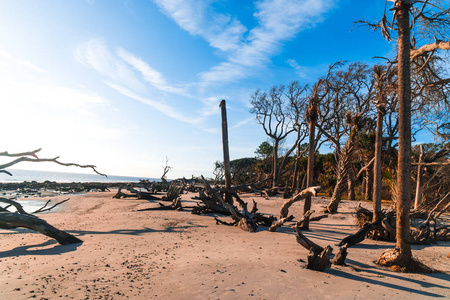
(177, 255)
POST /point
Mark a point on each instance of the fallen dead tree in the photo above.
(318, 258)
(173, 194)
(134, 193)
(284, 211)
(213, 201)
(174, 191)
(430, 227)
(21, 219)
(176, 205)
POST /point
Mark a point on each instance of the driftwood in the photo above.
(360, 235)
(176, 205)
(431, 230)
(175, 189)
(208, 205)
(339, 259)
(312, 191)
(134, 193)
(244, 219)
(280, 222)
(318, 257)
(319, 261)
(22, 219)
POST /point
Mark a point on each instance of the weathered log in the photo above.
(319, 261)
(318, 218)
(16, 220)
(305, 219)
(280, 222)
(339, 259)
(302, 195)
(176, 205)
(209, 205)
(360, 235)
(134, 193)
(305, 242)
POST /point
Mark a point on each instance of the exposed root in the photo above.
(399, 262)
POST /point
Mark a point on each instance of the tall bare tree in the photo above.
(415, 22)
(279, 112)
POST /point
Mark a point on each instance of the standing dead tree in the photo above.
(22, 219)
(166, 170)
(279, 112)
(415, 23)
(345, 158)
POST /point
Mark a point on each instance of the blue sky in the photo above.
(123, 84)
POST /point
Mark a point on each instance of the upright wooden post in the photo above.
(226, 153)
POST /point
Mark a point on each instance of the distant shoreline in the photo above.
(64, 177)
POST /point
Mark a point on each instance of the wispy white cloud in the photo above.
(150, 75)
(242, 123)
(162, 107)
(198, 18)
(299, 70)
(131, 76)
(6, 57)
(95, 54)
(278, 21)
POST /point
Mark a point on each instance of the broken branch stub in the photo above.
(311, 191)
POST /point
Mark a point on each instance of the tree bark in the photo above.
(419, 192)
(377, 164)
(312, 114)
(351, 185)
(342, 170)
(404, 133)
(275, 163)
(369, 184)
(302, 195)
(15, 220)
(226, 153)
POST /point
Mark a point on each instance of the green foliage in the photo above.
(242, 169)
(264, 150)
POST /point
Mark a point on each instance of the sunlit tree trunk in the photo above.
(404, 134)
(275, 163)
(312, 115)
(377, 165)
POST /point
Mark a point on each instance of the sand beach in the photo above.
(129, 254)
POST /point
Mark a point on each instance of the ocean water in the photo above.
(41, 176)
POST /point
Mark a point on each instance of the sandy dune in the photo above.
(177, 255)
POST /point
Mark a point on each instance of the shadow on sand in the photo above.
(374, 271)
(28, 249)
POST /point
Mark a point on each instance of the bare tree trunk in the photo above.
(275, 163)
(419, 184)
(377, 163)
(342, 170)
(312, 115)
(402, 255)
(351, 184)
(369, 184)
(404, 134)
(226, 153)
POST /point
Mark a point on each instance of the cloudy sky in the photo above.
(123, 84)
